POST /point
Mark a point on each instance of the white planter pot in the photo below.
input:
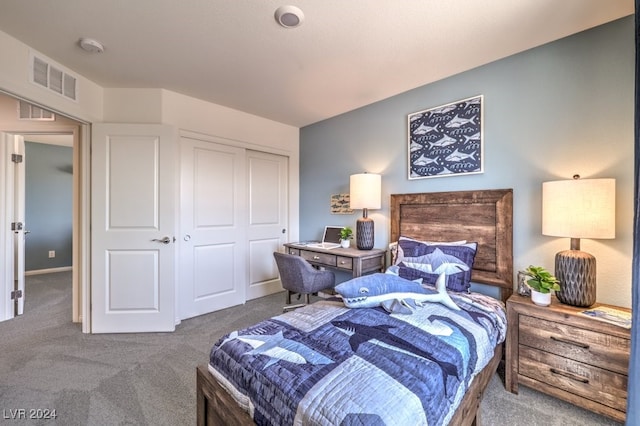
(345, 243)
(540, 299)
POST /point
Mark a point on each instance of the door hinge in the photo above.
(16, 226)
(16, 294)
(16, 158)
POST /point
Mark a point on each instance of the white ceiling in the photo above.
(345, 55)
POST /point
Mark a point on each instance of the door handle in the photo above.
(165, 240)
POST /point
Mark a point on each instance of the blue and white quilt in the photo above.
(326, 364)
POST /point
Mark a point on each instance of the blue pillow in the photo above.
(427, 261)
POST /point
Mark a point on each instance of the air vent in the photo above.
(69, 86)
(47, 74)
(26, 111)
(55, 80)
(40, 72)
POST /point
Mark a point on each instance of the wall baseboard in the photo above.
(48, 271)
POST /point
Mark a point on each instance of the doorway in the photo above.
(48, 203)
(57, 130)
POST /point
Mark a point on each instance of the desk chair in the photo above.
(298, 276)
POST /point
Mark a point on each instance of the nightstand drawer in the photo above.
(319, 258)
(593, 348)
(602, 386)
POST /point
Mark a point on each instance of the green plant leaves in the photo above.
(346, 233)
(541, 280)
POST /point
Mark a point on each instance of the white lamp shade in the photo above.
(579, 208)
(365, 190)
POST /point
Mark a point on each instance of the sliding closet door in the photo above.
(213, 227)
(268, 220)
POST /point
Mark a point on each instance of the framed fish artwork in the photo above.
(446, 140)
(340, 204)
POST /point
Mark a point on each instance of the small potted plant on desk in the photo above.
(346, 234)
(541, 283)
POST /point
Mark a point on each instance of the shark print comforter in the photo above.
(325, 364)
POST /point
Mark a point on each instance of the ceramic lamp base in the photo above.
(576, 271)
(364, 233)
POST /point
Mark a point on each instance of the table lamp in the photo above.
(578, 208)
(365, 194)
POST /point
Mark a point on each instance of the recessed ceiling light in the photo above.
(289, 16)
(90, 45)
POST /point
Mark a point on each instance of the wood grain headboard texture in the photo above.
(483, 216)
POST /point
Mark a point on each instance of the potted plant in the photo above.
(541, 282)
(346, 234)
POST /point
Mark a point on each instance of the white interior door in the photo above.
(132, 230)
(6, 240)
(212, 227)
(18, 222)
(268, 219)
(12, 232)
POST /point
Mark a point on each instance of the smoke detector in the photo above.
(289, 16)
(90, 45)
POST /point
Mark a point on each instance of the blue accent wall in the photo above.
(48, 205)
(550, 112)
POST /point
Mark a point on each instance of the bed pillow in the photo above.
(428, 261)
(397, 255)
(369, 291)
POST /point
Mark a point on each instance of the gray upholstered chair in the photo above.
(298, 276)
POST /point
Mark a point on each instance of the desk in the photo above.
(358, 262)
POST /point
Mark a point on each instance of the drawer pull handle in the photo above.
(316, 257)
(569, 375)
(570, 342)
(342, 262)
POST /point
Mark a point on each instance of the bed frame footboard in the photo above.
(214, 404)
(216, 407)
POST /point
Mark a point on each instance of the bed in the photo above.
(325, 386)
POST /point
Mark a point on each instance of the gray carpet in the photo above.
(47, 363)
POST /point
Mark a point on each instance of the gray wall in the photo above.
(550, 112)
(48, 204)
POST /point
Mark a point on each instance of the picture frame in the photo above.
(446, 140)
(523, 288)
(340, 204)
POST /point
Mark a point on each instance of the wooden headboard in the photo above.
(484, 216)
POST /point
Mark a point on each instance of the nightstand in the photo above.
(563, 353)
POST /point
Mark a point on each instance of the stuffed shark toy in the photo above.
(392, 292)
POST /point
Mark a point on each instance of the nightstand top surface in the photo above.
(569, 313)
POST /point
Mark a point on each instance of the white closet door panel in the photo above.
(212, 277)
(268, 220)
(213, 227)
(214, 188)
(263, 268)
(265, 176)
